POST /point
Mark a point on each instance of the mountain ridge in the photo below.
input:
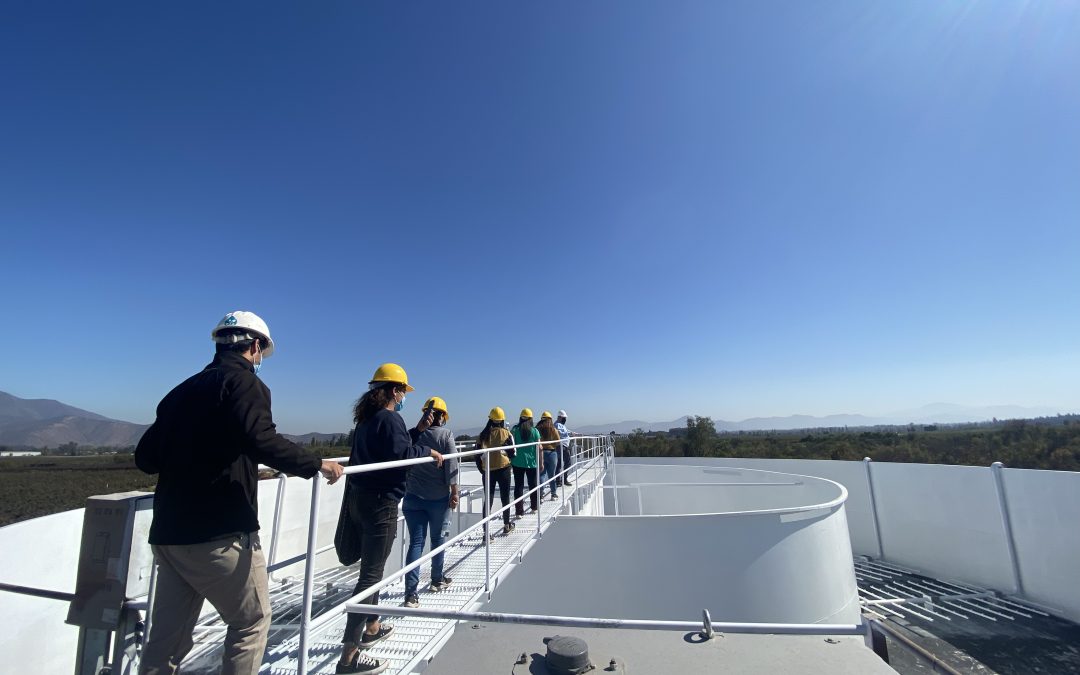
(36, 423)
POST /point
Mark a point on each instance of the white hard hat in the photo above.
(247, 321)
(562, 413)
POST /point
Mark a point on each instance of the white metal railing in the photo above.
(637, 624)
(593, 447)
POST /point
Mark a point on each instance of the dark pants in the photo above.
(375, 518)
(501, 478)
(521, 474)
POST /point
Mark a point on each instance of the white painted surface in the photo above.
(939, 519)
(852, 475)
(943, 520)
(675, 489)
(41, 553)
(1045, 511)
(742, 567)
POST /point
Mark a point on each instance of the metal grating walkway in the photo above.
(414, 639)
(972, 630)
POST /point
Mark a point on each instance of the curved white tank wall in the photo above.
(946, 520)
(755, 547)
(852, 475)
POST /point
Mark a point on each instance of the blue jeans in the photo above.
(422, 515)
(551, 468)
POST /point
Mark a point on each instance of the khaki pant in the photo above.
(231, 574)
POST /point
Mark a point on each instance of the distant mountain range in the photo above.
(934, 413)
(36, 423)
(41, 422)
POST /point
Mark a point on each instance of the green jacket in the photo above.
(525, 457)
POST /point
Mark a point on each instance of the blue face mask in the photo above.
(399, 405)
(257, 366)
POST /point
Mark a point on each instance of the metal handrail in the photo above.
(393, 578)
(37, 592)
(331, 613)
(306, 623)
(596, 622)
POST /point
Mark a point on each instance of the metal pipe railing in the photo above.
(37, 592)
(389, 580)
(331, 613)
(596, 622)
(309, 578)
(306, 623)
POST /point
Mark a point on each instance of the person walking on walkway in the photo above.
(379, 436)
(525, 460)
(567, 458)
(496, 435)
(210, 434)
(550, 448)
(430, 494)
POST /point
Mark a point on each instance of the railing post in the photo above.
(1006, 524)
(539, 489)
(873, 507)
(279, 501)
(151, 592)
(488, 491)
(577, 478)
(564, 476)
(309, 576)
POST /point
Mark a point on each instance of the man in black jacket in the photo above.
(211, 433)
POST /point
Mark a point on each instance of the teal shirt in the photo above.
(525, 457)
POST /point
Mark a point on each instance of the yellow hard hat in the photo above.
(526, 412)
(391, 372)
(497, 415)
(545, 415)
(438, 404)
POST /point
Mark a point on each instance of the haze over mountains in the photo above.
(934, 413)
(37, 423)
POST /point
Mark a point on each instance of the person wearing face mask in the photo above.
(380, 436)
(210, 434)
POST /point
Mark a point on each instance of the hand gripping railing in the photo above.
(306, 623)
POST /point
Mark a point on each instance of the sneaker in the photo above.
(362, 664)
(508, 528)
(567, 483)
(442, 584)
(370, 640)
(411, 600)
(554, 497)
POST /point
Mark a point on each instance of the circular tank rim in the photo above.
(831, 504)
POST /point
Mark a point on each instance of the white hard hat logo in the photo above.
(250, 322)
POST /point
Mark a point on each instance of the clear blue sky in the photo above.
(631, 210)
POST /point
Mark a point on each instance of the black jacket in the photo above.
(211, 432)
(383, 438)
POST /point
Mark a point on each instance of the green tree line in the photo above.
(1026, 444)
